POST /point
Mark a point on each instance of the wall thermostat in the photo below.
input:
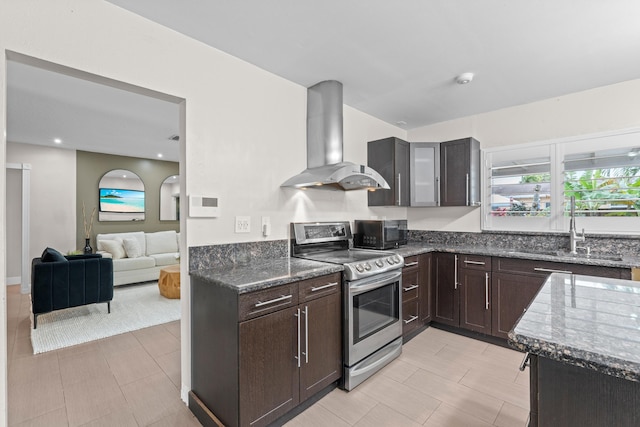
(204, 206)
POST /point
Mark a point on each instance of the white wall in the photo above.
(14, 226)
(53, 196)
(244, 129)
(597, 110)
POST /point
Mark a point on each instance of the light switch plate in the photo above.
(243, 224)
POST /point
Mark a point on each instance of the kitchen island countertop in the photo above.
(589, 322)
(263, 274)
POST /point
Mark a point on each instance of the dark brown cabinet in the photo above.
(411, 288)
(515, 282)
(256, 356)
(426, 288)
(489, 294)
(268, 373)
(511, 295)
(446, 305)
(460, 172)
(474, 277)
(321, 340)
(390, 158)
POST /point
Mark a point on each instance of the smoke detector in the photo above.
(464, 78)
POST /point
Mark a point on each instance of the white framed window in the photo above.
(527, 187)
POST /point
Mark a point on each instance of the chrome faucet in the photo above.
(573, 234)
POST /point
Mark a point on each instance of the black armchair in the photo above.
(59, 282)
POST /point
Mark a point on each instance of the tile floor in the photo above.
(133, 379)
(441, 379)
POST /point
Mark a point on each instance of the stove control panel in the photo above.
(368, 268)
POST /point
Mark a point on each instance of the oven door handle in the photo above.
(365, 285)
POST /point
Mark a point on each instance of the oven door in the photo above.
(374, 312)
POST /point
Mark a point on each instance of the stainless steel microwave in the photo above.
(380, 234)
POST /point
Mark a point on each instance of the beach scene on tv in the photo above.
(119, 200)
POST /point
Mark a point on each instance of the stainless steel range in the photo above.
(372, 306)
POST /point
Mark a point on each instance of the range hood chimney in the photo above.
(325, 168)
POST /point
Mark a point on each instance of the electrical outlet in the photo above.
(243, 224)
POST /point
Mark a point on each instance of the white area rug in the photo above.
(133, 307)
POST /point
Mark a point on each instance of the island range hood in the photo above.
(325, 168)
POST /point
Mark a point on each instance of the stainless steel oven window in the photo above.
(374, 310)
(357, 346)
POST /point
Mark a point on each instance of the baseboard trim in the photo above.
(14, 280)
(202, 413)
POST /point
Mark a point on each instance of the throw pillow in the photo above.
(132, 248)
(114, 247)
(51, 255)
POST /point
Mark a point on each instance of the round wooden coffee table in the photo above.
(169, 281)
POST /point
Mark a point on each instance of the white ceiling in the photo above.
(397, 60)
(43, 105)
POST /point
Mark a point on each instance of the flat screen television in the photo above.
(119, 200)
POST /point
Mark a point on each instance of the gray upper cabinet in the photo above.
(390, 158)
(460, 172)
(425, 173)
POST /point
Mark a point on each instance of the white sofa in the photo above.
(139, 256)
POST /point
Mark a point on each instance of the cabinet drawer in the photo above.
(258, 303)
(410, 316)
(319, 286)
(410, 263)
(410, 286)
(475, 262)
(544, 268)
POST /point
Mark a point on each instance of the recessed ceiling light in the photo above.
(160, 155)
(464, 78)
(57, 140)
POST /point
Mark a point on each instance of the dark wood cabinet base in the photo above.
(202, 413)
(569, 396)
(208, 418)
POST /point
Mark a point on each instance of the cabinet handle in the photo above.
(328, 285)
(399, 191)
(272, 301)
(474, 262)
(455, 274)
(486, 291)
(411, 264)
(437, 191)
(467, 189)
(550, 270)
(410, 288)
(411, 319)
(306, 333)
(298, 318)
(525, 362)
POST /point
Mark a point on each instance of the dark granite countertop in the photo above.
(601, 260)
(264, 273)
(590, 322)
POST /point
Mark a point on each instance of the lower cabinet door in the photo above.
(268, 370)
(511, 295)
(475, 304)
(321, 344)
(446, 305)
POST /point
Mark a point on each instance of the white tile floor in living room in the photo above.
(441, 379)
